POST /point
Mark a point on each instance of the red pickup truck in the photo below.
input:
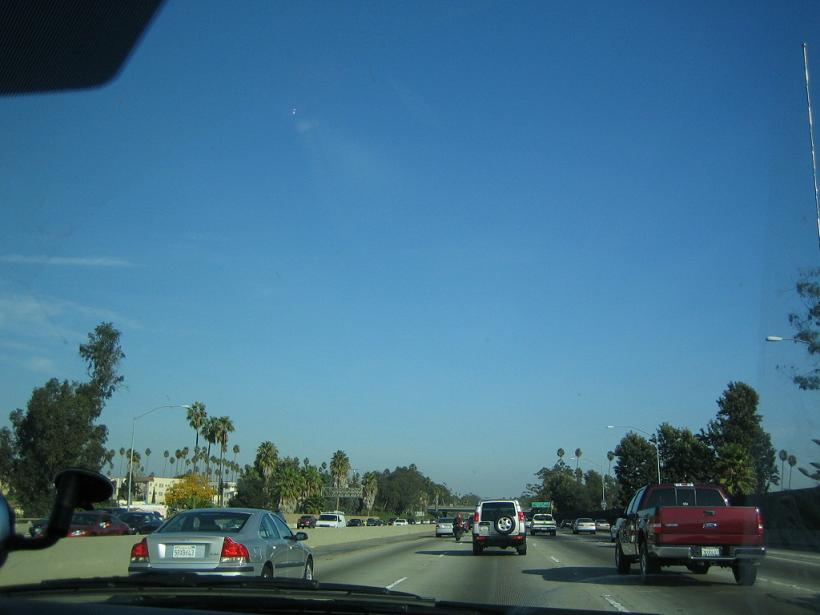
(685, 524)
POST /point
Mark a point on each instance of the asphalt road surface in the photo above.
(570, 571)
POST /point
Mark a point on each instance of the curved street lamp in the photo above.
(777, 338)
(131, 456)
(651, 435)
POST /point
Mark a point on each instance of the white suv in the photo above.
(499, 523)
(331, 519)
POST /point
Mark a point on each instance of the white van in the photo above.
(331, 519)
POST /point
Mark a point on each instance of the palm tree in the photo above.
(173, 461)
(792, 461)
(196, 418)
(147, 455)
(339, 468)
(578, 453)
(235, 452)
(784, 455)
(122, 456)
(224, 426)
(165, 454)
(370, 487)
(560, 452)
(209, 433)
(178, 455)
(289, 484)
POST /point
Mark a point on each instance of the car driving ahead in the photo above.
(499, 523)
(224, 541)
(584, 525)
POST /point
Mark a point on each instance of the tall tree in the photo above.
(59, 427)
(635, 467)
(685, 456)
(122, 457)
(166, 453)
(224, 426)
(734, 468)
(560, 452)
(792, 461)
(339, 468)
(783, 455)
(807, 325)
(578, 473)
(147, 455)
(738, 422)
(196, 419)
(370, 488)
(288, 484)
(209, 433)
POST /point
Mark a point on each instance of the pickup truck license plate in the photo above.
(710, 551)
(183, 551)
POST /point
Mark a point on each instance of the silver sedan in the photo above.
(224, 541)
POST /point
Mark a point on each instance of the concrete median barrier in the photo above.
(109, 555)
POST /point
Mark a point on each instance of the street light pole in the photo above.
(777, 338)
(603, 479)
(131, 455)
(657, 452)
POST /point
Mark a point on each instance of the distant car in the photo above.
(96, 523)
(411, 521)
(613, 530)
(444, 527)
(355, 523)
(37, 527)
(331, 519)
(583, 525)
(400, 522)
(373, 522)
(305, 521)
(567, 523)
(140, 522)
(225, 541)
(543, 523)
(601, 525)
(391, 521)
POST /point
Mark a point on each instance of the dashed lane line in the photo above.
(394, 583)
(555, 559)
(615, 604)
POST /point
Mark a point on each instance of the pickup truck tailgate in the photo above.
(733, 525)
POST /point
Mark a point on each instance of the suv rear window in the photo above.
(491, 511)
(542, 518)
(328, 518)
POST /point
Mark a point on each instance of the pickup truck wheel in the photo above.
(745, 574)
(648, 565)
(621, 563)
(698, 567)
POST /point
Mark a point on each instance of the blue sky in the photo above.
(348, 226)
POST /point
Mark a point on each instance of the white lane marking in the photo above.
(441, 555)
(394, 583)
(555, 559)
(615, 604)
(792, 561)
(789, 585)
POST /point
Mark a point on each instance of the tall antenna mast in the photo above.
(811, 139)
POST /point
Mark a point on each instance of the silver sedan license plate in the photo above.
(183, 551)
(710, 551)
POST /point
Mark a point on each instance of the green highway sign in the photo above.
(546, 504)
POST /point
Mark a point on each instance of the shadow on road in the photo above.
(469, 552)
(599, 575)
(810, 603)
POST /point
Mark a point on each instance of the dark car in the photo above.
(140, 522)
(306, 521)
(373, 522)
(411, 521)
(96, 523)
(37, 527)
(355, 523)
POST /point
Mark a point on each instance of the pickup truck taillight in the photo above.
(759, 522)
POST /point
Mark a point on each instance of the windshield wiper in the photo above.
(173, 580)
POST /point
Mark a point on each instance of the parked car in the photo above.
(37, 527)
(355, 523)
(331, 519)
(400, 522)
(613, 530)
(96, 523)
(305, 521)
(391, 521)
(373, 522)
(140, 522)
(601, 525)
(499, 523)
(583, 525)
(692, 525)
(444, 527)
(411, 521)
(250, 542)
(543, 523)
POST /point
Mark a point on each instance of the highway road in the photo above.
(564, 571)
(570, 571)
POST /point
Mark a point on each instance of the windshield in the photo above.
(408, 260)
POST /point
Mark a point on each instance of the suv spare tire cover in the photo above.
(504, 524)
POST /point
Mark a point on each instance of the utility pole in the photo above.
(811, 139)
